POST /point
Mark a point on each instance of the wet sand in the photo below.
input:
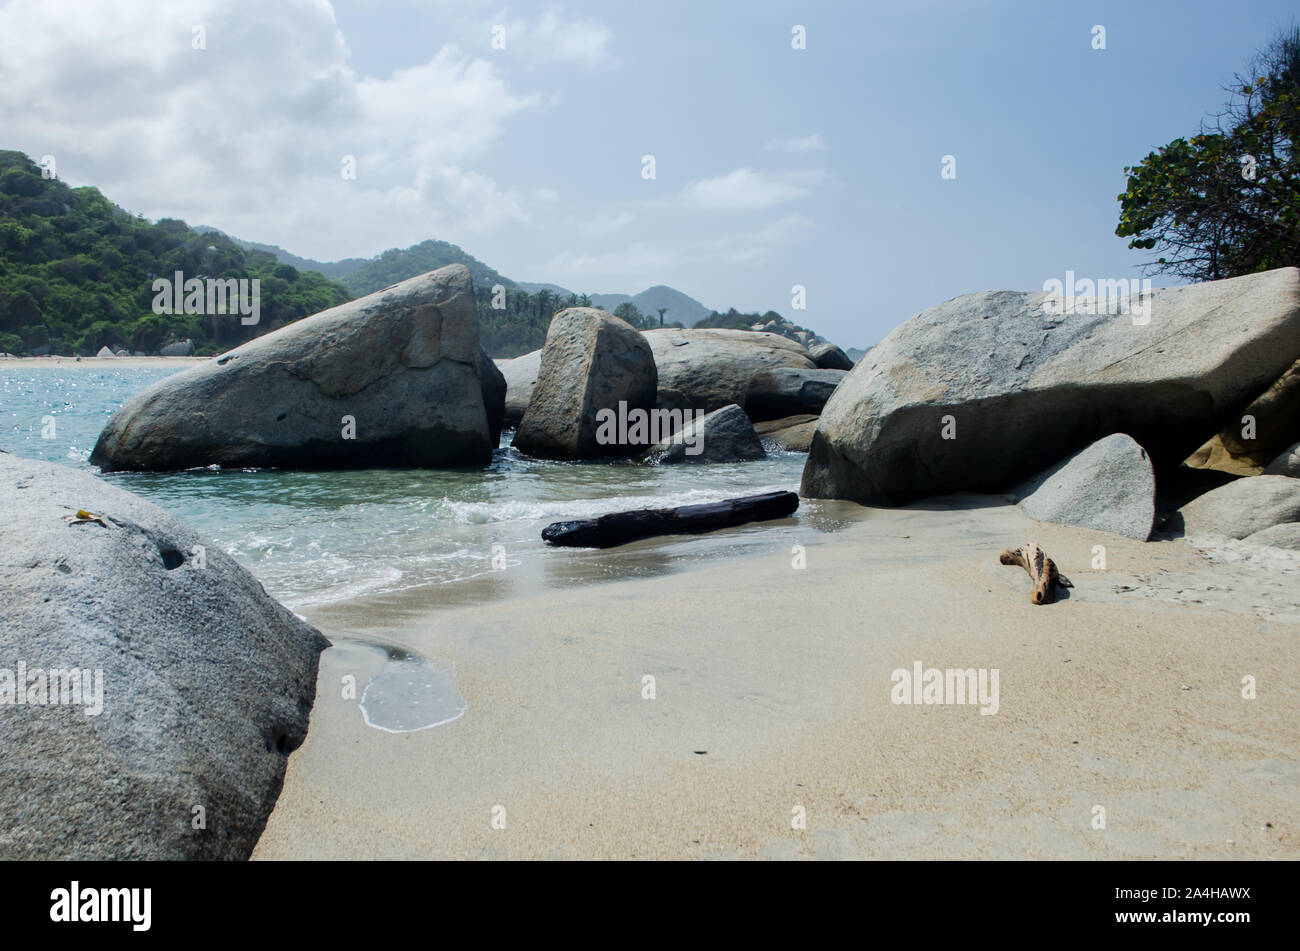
(772, 693)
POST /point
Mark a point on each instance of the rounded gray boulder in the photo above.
(593, 365)
(390, 379)
(1244, 507)
(789, 391)
(725, 435)
(830, 357)
(150, 690)
(1110, 487)
(520, 376)
(971, 394)
(709, 368)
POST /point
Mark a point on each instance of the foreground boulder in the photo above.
(1110, 487)
(521, 376)
(1243, 507)
(830, 357)
(193, 685)
(593, 365)
(786, 391)
(390, 379)
(710, 368)
(971, 394)
(725, 435)
(793, 433)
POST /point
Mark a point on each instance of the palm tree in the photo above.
(662, 311)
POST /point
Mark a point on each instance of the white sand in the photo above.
(99, 363)
(1126, 696)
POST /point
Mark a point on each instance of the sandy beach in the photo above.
(63, 363)
(772, 693)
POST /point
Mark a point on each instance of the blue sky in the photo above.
(774, 166)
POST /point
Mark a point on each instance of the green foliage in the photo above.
(731, 320)
(399, 264)
(76, 273)
(520, 326)
(1227, 201)
(629, 312)
(735, 320)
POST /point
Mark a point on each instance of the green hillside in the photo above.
(397, 264)
(76, 273)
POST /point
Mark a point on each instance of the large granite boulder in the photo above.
(787, 391)
(192, 687)
(520, 376)
(830, 357)
(390, 379)
(1110, 487)
(725, 435)
(593, 365)
(973, 393)
(710, 368)
(1243, 507)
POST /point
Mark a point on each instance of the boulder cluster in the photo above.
(397, 378)
(1085, 417)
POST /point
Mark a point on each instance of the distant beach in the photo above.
(100, 363)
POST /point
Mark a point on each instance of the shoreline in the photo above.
(773, 691)
(99, 363)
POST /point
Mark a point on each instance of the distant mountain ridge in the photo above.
(330, 269)
(366, 275)
(678, 306)
(77, 275)
(363, 276)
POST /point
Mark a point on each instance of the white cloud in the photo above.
(742, 190)
(580, 41)
(250, 133)
(643, 263)
(798, 146)
(551, 38)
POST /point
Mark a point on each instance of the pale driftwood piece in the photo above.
(1042, 571)
(618, 528)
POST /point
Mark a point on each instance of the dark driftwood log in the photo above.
(618, 528)
(1042, 571)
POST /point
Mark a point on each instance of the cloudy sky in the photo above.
(774, 166)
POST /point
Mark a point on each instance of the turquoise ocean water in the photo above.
(317, 537)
